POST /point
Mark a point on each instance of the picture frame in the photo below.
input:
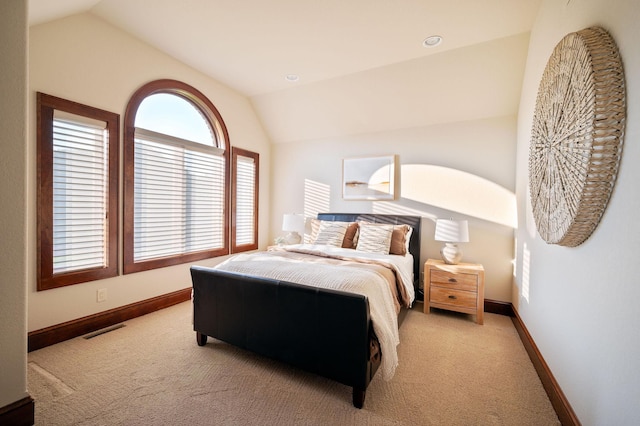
(369, 178)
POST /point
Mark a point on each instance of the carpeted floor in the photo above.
(151, 372)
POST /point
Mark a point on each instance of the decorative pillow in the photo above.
(315, 227)
(408, 238)
(374, 237)
(400, 239)
(331, 233)
(350, 235)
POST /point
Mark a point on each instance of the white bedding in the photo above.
(404, 264)
(340, 277)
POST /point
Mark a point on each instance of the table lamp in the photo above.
(451, 232)
(293, 223)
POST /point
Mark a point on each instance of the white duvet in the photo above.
(340, 277)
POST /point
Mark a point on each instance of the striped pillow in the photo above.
(331, 233)
(399, 238)
(374, 238)
(315, 227)
(350, 236)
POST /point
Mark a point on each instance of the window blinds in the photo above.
(80, 178)
(245, 200)
(178, 199)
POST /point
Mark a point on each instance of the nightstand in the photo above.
(457, 288)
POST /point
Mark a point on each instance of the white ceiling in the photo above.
(251, 45)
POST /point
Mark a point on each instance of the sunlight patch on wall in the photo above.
(458, 191)
(317, 199)
(530, 222)
(526, 268)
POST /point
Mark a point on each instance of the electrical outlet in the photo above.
(101, 295)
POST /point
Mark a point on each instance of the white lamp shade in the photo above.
(452, 231)
(293, 223)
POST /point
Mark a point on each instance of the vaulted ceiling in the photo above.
(361, 64)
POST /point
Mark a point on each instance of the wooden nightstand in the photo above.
(457, 288)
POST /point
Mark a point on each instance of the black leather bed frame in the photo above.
(322, 331)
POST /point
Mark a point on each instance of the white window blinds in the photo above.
(80, 182)
(245, 207)
(179, 197)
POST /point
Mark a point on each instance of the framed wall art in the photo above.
(369, 178)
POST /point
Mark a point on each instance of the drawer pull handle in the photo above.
(453, 280)
(452, 297)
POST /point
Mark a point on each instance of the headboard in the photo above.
(413, 221)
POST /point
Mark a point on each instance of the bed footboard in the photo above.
(322, 331)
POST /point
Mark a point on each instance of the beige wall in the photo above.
(580, 304)
(83, 59)
(13, 134)
(450, 117)
(462, 170)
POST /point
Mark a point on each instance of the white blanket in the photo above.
(345, 277)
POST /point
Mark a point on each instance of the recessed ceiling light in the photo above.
(432, 41)
(292, 78)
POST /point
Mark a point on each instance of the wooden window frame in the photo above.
(235, 248)
(210, 112)
(46, 279)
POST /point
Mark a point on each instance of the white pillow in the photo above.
(331, 233)
(408, 238)
(374, 238)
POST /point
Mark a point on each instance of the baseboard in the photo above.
(563, 409)
(58, 333)
(19, 413)
(498, 307)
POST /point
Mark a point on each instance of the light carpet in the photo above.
(151, 372)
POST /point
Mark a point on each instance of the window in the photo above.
(244, 200)
(77, 155)
(176, 178)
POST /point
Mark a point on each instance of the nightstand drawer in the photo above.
(459, 298)
(458, 287)
(459, 281)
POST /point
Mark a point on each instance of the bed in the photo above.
(306, 319)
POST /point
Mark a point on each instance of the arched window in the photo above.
(171, 115)
(176, 177)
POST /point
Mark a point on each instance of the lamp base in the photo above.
(293, 238)
(451, 254)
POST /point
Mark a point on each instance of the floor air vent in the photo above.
(102, 331)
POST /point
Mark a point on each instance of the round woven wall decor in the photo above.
(576, 139)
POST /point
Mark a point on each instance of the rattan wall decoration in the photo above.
(576, 138)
